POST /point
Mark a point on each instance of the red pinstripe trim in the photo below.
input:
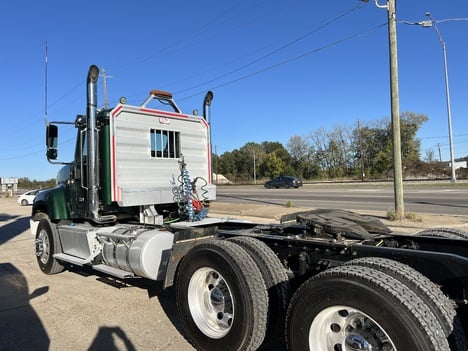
(114, 171)
(209, 165)
(116, 111)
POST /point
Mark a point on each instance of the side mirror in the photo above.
(51, 141)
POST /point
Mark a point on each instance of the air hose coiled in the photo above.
(193, 208)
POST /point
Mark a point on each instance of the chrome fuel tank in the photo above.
(144, 252)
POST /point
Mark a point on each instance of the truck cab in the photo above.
(127, 161)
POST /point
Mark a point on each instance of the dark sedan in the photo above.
(284, 182)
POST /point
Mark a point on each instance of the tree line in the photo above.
(363, 151)
(26, 183)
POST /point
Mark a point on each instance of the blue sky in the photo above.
(277, 68)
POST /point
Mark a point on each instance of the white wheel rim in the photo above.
(210, 302)
(343, 328)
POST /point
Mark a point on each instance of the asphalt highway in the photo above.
(439, 198)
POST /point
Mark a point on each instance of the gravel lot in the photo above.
(75, 310)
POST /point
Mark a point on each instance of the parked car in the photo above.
(28, 197)
(284, 182)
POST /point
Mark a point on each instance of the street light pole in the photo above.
(395, 108)
(447, 91)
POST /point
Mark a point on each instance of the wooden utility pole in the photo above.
(395, 107)
(395, 110)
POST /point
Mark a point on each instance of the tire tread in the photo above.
(434, 298)
(380, 281)
(242, 262)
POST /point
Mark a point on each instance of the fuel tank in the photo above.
(144, 252)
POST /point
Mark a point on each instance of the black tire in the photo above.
(450, 233)
(277, 283)
(46, 245)
(24, 202)
(440, 305)
(360, 307)
(221, 298)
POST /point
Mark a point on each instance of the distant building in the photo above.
(459, 164)
(220, 179)
(9, 185)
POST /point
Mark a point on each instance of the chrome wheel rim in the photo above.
(210, 302)
(43, 247)
(343, 328)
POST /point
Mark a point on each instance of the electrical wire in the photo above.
(281, 63)
(275, 51)
(271, 53)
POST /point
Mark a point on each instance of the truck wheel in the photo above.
(433, 297)
(221, 297)
(276, 280)
(360, 308)
(451, 233)
(46, 245)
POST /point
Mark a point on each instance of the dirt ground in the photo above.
(81, 310)
(77, 310)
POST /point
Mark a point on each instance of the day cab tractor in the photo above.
(134, 203)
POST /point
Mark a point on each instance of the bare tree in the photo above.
(297, 147)
(430, 155)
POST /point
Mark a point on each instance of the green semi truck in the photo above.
(134, 202)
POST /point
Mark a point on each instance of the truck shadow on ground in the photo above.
(12, 229)
(166, 298)
(20, 326)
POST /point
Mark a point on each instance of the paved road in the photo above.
(434, 199)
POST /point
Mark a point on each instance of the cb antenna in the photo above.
(45, 102)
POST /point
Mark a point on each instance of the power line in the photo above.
(442, 136)
(307, 53)
(282, 47)
(275, 51)
(271, 53)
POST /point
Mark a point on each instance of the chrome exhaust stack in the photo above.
(92, 158)
(207, 116)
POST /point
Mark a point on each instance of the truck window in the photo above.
(164, 143)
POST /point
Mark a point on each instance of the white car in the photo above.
(28, 197)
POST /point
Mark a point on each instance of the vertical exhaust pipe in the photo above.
(92, 157)
(91, 84)
(207, 115)
(206, 104)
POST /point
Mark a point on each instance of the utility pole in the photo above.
(361, 153)
(104, 82)
(395, 110)
(395, 107)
